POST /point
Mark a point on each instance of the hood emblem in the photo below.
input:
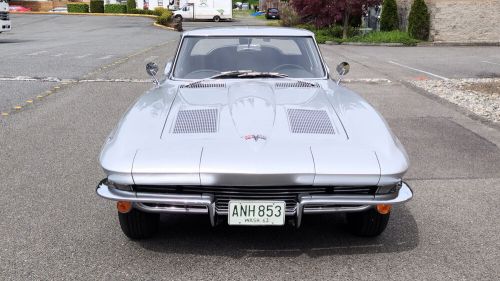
(255, 137)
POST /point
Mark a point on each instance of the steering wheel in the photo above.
(288, 65)
(199, 71)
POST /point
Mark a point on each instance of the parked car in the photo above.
(59, 10)
(272, 13)
(19, 9)
(248, 126)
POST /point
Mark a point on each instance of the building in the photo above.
(464, 21)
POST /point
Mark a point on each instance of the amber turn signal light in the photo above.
(124, 206)
(384, 209)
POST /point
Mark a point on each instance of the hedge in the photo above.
(389, 18)
(131, 6)
(96, 6)
(419, 21)
(165, 18)
(115, 8)
(77, 8)
(141, 12)
(158, 11)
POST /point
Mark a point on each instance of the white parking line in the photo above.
(83, 56)
(105, 57)
(419, 70)
(489, 62)
(37, 53)
(58, 55)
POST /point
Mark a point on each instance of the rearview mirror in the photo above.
(342, 69)
(152, 70)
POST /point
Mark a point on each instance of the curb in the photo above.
(86, 14)
(367, 44)
(164, 27)
(459, 44)
(423, 44)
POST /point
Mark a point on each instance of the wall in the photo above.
(460, 20)
(39, 6)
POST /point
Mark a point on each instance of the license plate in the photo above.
(256, 213)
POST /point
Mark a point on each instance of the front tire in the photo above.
(368, 223)
(216, 19)
(138, 225)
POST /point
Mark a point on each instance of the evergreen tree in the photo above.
(419, 21)
(389, 19)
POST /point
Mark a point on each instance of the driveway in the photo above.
(54, 226)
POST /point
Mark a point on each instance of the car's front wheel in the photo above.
(137, 224)
(368, 223)
(216, 19)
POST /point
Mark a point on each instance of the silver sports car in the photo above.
(248, 127)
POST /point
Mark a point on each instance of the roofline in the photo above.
(297, 32)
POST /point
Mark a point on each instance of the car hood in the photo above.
(253, 133)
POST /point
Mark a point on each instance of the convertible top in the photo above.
(248, 31)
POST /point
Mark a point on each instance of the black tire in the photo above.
(216, 19)
(139, 225)
(367, 223)
(178, 17)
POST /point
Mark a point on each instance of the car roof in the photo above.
(248, 31)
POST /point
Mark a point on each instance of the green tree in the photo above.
(389, 19)
(419, 21)
(131, 6)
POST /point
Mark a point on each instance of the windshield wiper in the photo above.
(247, 74)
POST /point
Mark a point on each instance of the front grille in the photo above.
(289, 194)
(4, 16)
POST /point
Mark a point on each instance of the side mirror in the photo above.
(152, 70)
(342, 69)
(168, 68)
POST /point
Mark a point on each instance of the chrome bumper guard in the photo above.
(205, 203)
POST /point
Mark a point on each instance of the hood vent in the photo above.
(204, 85)
(297, 84)
(196, 121)
(307, 121)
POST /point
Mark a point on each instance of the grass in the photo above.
(385, 37)
(335, 33)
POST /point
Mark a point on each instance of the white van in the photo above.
(4, 16)
(215, 10)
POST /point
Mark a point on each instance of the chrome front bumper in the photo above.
(205, 203)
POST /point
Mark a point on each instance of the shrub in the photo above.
(141, 12)
(115, 8)
(96, 6)
(165, 18)
(131, 6)
(337, 31)
(158, 11)
(389, 18)
(77, 8)
(395, 36)
(419, 20)
(289, 16)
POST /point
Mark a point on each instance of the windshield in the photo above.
(203, 57)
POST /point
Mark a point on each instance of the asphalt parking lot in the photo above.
(54, 226)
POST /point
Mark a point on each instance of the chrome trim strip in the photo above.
(170, 209)
(307, 204)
